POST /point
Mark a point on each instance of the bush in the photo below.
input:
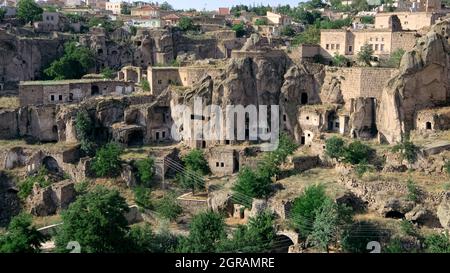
(365, 55)
(142, 197)
(407, 149)
(310, 36)
(305, 208)
(261, 22)
(287, 31)
(168, 207)
(361, 168)
(84, 129)
(437, 243)
(368, 20)
(239, 29)
(357, 152)
(192, 180)
(250, 185)
(396, 57)
(447, 167)
(186, 24)
(334, 147)
(195, 161)
(145, 85)
(145, 171)
(340, 60)
(21, 237)
(413, 191)
(107, 161)
(82, 187)
(108, 73)
(356, 237)
(26, 187)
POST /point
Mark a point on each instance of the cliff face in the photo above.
(422, 82)
(24, 58)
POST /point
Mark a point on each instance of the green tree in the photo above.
(186, 24)
(287, 31)
(413, 191)
(407, 149)
(107, 161)
(437, 243)
(142, 197)
(145, 85)
(239, 29)
(40, 178)
(192, 180)
(335, 147)
(206, 232)
(195, 160)
(310, 36)
(75, 63)
(305, 208)
(368, 19)
(145, 170)
(357, 152)
(255, 237)
(165, 6)
(108, 73)
(125, 9)
(251, 185)
(21, 236)
(340, 60)
(84, 129)
(96, 221)
(365, 55)
(29, 11)
(396, 57)
(141, 239)
(168, 207)
(328, 224)
(261, 22)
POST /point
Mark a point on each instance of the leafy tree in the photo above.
(407, 149)
(195, 160)
(165, 6)
(357, 152)
(255, 237)
(368, 19)
(75, 63)
(437, 243)
(252, 185)
(145, 170)
(141, 239)
(340, 60)
(206, 232)
(125, 9)
(310, 36)
(84, 129)
(305, 207)
(145, 85)
(239, 29)
(142, 197)
(334, 24)
(105, 23)
(314, 4)
(107, 161)
(396, 57)
(356, 236)
(328, 224)
(365, 55)
(168, 207)
(108, 73)
(287, 31)
(261, 22)
(190, 179)
(187, 24)
(96, 221)
(335, 147)
(21, 236)
(29, 11)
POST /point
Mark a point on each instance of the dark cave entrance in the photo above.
(135, 138)
(51, 165)
(395, 214)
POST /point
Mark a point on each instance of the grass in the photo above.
(9, 102)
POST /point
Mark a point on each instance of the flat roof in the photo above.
(61, 82)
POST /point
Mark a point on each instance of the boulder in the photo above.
(258, 207)
(220, 201)
(422, 216)
(443, 211)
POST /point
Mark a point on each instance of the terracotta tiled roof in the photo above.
(171, 16)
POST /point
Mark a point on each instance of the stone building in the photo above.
(146, 11)
(278, 19)
(114, 7)
(222, 160)
(69, 91)
(408, 20)
(433, 119)
(348, 42)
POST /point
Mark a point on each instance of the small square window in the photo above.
(60, 97)
(222, 164)
(217, 164)
(52, 97)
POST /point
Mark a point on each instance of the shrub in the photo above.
(356, 237)
(142, 197)
(82, 187)
(168, 207)
(195, 161)
(287, 31)
(261, 22)
(192, 180)
(396, 57)
(447, 167)
(145, 85)
(407, 149)
(108, 73)
(239, 29)
(365, 55)
(334, 147)
(357, 152)
(339, 60)
(84, 129)
(145, 171)
(362, 167)
(107, 161)
(26, 187)
(413, 191)
(251, 185)
(437, 243)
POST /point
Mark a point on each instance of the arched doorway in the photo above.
(135, 138)
(51, 165)
(281, 244)
(428, 125)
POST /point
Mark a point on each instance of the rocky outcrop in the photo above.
(362, 118)
(443, 211)
(422, 82)
(220, 201)
(9, 201)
